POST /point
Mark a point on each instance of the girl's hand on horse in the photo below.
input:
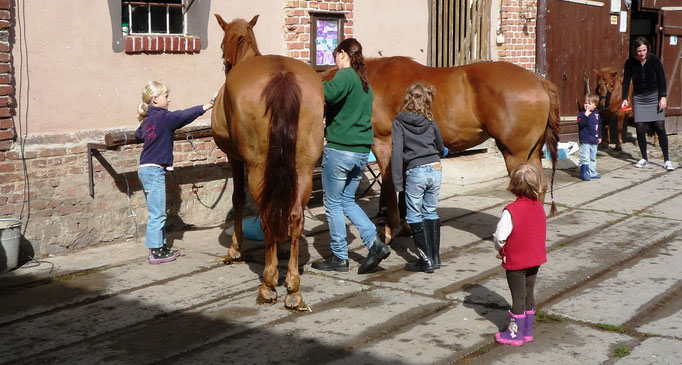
(623, 104)
(663, 103)
(210, 103)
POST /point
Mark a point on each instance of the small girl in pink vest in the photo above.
(520, 240)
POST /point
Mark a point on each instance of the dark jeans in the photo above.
(522, 287)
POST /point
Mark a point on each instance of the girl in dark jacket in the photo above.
(417, 146)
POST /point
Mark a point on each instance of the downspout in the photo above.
(541, 39)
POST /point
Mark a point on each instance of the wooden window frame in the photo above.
(149, 4)
(340, 18)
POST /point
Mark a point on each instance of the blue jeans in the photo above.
(588, 156)
(341, 175)
(422, 186)
(154, 185)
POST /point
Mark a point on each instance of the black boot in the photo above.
(423, 250)
(377, 252)
(433, 235)
(331, 263)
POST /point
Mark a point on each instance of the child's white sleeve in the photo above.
(504, 228)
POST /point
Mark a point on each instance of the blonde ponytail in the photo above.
(152, 89)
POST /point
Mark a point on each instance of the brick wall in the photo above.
(518, 19)
(297, 24)
(59, 215)
(7, 134)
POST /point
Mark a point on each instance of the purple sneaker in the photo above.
(515, 331)
(171, 251)
(160, 256)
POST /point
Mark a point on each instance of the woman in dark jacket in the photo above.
(648, 97)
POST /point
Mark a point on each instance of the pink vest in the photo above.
(525, 245)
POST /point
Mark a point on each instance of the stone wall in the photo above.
(59, 214)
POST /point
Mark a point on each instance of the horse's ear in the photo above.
(254, 20)
(614, 73)
(595, 71)
(221, 21)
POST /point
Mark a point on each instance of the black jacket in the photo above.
(416, 141)
(645, 79)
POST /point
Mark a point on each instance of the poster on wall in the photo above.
(326, 41)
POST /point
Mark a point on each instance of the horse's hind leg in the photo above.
(294, 299)
(267, 294)
(234, 253)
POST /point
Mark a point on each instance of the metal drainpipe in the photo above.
(541, 39)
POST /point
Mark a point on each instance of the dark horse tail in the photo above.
(282, 96)
(551, 137)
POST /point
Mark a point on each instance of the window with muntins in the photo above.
(154, 17)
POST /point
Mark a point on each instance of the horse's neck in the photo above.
(247, 52)
(617, 93)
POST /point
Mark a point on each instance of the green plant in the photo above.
(610, 327)
(543, 317)
(621, 351)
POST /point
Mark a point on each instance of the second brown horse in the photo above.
(498, 100)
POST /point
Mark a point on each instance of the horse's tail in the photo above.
(282, 97)
(551, 138)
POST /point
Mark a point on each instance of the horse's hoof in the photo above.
(295, 302)
(266, 296)
(619, 148)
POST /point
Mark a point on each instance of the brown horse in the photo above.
(609, 89)
(514, 106)
(261, 123)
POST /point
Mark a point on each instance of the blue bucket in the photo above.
(252, 229)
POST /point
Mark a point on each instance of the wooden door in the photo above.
(580, 37)
(670, 51)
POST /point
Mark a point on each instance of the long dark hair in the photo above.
(353, 49)
(638, 42)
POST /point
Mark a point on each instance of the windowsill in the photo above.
(174, 43)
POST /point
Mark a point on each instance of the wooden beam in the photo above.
(117, 139)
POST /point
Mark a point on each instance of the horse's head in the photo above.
(239, 41)
(607, 78)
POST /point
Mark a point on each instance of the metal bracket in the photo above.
(92, 149)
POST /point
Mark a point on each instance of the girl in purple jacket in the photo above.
(156, 130)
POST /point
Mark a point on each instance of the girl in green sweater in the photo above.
(349, 137)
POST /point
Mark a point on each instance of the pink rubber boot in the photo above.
(515, 331)
(528, 330)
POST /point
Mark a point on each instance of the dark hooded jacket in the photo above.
(416, 141)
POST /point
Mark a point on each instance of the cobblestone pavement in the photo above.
(609, 294)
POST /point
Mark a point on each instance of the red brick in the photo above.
(5, 112)
(6, 123)
(7, 210)
(4, 47)
(6, 90)
(5, 67)
(52, 152)
(4, 24)
(4, 4)
(6, 134)
(4, 14)
(17, 156)
(5, 145)
(7, 167)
